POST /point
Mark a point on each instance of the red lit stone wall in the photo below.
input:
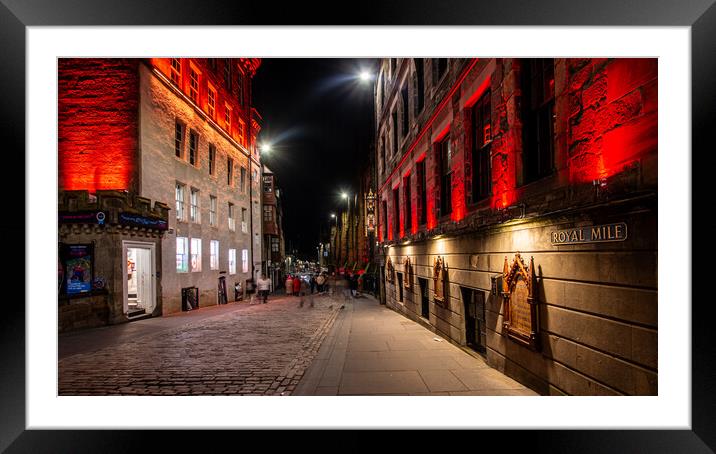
(97, 124)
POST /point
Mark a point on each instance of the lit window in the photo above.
(176, 71)
(214, 255)
(211, 102)
(193, 85)
(274, 244)
(268, 213)
(194, 205)
(212, 210)
(179, 196)
(245, 260)
(178, 139)
(232, 261)
(196, 254)
(193, 145)
(232, 221)
(244, 226)
(182, 254)
(242, 125)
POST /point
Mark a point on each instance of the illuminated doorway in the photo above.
(139, 278)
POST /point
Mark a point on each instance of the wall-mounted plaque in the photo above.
(521, 322)
(389, 271)
(440, 280)
(408, 272)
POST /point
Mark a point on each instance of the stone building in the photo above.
(274, 247)
(180, 132)
(517, 204)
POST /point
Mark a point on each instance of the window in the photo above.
(212, 159)
(244, 226)
(193, 145)
(179, 197)
(396, 213)
(211, 102)
(400, 287)
(408, 214)
(440, 66)
(232, 221)
(444, 164)
(212, 63)
(193, 85)
(229, 171)
(176, 71)
(194, 205)
(420, 85)
(274, 244)
(245, 260)
(242, 181)
(232, 261)
(481, 139)
(227, 117)
(182, 254)
(404, 97)
(212, 210)
(538, 128)
(240, 87)
(422, 193)
(268, 213)
(178, 139)
(382, 153)
(227, 73)
(268, 184)
(385, 219)
(242, 132)
(395, 132)
(214, 255)
(195, 254)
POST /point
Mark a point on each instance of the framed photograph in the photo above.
(37, 35)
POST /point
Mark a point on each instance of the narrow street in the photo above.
(280, 348)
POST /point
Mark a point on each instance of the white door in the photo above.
(142, 277)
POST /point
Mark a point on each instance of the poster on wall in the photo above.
(78, 268)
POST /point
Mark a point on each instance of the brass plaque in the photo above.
(521, 323)
(520, 313)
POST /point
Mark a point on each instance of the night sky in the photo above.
(318, 117)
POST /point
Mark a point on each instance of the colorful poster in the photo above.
(78, 266)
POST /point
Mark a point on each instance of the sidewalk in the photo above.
(372, 350)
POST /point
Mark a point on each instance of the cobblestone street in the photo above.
(259, 349)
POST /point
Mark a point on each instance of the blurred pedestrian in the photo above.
(313, 283)
(289, 285)
(264, 285)
(296, 285)
(353, 284)
(321, 282)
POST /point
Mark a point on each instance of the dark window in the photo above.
(176, 71)
(178, 138)
(400, 287)
(404, 95)
(274, 244)
(212, 63)
(193, 144)
(385, 220)
(420, 88)
(439, 67)
(407, 224)
(396, 213)
(242, 183)
(229, 171)
(422, 193)
(395, 132)
(443, 152)
(481, 139)
(538, 109)
(212, 159)
(268, 213)
(382, 153)
(227, 73)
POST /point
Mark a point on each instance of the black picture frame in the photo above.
(700, 15)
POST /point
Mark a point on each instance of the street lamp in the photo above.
(266, 148)
(365, 76)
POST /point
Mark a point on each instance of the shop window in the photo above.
(195, 254)
(232, 261)
(182, 245)
(214, 255)
(538, 117)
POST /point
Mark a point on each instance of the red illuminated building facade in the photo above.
(180, 132)
(479, 160)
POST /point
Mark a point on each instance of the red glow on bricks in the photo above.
(479, 91)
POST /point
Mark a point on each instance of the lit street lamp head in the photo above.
(333, 215)
(365, 76)
(265, 148)
(344, 195)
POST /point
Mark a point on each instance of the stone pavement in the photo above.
(234, 349)
(372, 350)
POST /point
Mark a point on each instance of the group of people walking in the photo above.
(318, 283)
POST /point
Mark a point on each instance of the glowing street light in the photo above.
(333, 215)
(344, 195)
(265, 148)
(365, 76)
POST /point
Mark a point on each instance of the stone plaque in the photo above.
(521, 323)
(590, 234)
(408, 272)
(440, 280)
(389, 272)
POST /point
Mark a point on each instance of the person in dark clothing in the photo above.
(353, 284)
(313, 283)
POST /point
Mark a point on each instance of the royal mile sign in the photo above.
(590, 234)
